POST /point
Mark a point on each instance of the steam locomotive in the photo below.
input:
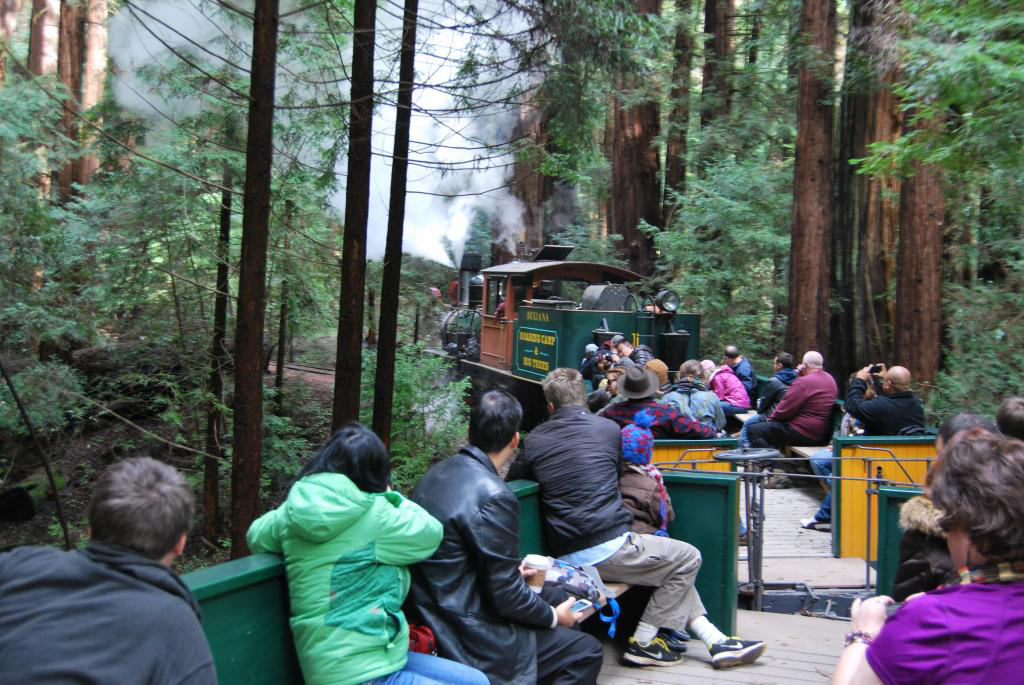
(515, 322)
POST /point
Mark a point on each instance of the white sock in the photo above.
(645, 632)
(706, 631)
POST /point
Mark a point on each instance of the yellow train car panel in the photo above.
(902, 465)
(692, 455)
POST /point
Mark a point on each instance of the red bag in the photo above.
(422, 640)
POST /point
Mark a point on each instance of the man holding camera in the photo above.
(894, 410)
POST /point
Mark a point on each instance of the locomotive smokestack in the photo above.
(469, 267)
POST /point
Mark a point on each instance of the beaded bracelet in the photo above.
(858, 636)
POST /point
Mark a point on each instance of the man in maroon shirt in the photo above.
(639, 386)
(804, 416)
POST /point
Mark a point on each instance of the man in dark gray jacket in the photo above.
(472, 591)
(577, 459)
(113, 612)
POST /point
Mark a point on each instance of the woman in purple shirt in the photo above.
(971, 630)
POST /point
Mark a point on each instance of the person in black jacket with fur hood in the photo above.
(925, 563)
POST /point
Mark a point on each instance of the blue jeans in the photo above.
(424, 669)
(821, 464)
(744, 441)
(732, 409)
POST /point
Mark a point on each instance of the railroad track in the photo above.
(306, 368)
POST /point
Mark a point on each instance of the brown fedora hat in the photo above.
(638, 383)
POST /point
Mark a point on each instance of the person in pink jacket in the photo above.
(727, 385)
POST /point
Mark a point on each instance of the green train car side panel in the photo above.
(547, 339)
(531, 525)
(706, 507)
(245, 618)
(889, 533)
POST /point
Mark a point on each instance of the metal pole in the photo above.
(867, 553)
(759, 587)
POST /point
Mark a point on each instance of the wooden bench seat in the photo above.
(807, 452)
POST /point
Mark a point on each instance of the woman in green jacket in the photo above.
(346, 538)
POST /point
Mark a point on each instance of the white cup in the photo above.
(541, 563)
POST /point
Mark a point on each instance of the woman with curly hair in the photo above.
(972, 629)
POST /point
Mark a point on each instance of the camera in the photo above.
(875, 368)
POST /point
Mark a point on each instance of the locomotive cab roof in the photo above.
(590, 272)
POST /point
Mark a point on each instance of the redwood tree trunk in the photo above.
(248, 403)
(716, 93)
(282, 323)
(212, 514)
(69, 69)
(755, 36)
(8, 25)
(679, 117)
(809, 265)
(532, 188)
(349, 361)
(45, 35)
(635, 193)
(877, 230)
(92, 84)
(384, 382)
(918, 322)
(866, 213)
(44, 38)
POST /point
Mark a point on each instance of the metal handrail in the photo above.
(890, 453)
(875, 483)
(742, 474)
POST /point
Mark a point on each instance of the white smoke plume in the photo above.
(146, 34)
(453, 176)
(446, 158)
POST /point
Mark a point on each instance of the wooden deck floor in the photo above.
(800, 650)
(788, 547)
(783, 535)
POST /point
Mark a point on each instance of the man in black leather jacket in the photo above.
(471, 592)
(637, 356)
(577, 459)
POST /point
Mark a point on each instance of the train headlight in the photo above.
(667, 301)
